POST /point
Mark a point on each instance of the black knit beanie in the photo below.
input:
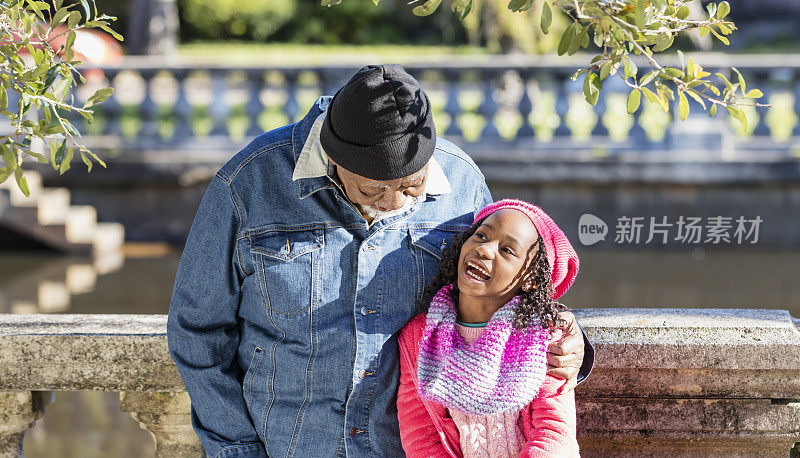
(379, 125)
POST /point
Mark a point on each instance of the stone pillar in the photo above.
(153, 28)
(166, 415)
(19, 410)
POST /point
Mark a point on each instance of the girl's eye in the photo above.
(480, 236)
(508, 250)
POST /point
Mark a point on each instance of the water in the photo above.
(89, 424)
(711, 278)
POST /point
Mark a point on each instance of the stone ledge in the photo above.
(666, 382)
(659, 352)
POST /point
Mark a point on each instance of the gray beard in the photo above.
(377, 215)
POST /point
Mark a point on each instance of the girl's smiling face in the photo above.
(496, 259)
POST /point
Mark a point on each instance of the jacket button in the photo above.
(364, 311)
(362, 373)
(352, 432)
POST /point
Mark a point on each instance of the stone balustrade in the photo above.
(522, 104)
(666, 382)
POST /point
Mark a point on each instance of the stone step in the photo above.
(81, 224)
(34, 180)
(54, 206)
(108, 237)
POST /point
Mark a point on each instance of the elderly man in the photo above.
(309, 251)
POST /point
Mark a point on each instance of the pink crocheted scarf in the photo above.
(501, 371)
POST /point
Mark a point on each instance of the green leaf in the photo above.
(99, 96)
(634, 99)
(737, 113)
(683, 12)
(647, 78)
(547, 17)
(712, 111)
(582, 41)
(630, 68)
(591, 88)
(39, 158)
(751, 94)
(577, 74)
(566, 39)
(8, 157)
(330, 3)
(57, 155)
(662, 99)
(640, 13)
(605, 70)
(5, 172)
(697, 98)
(520, 5)
(67, 160)
(52, 73)
(741, 80)
(664, 42)
(99, 161)
(59, 17)
(427, 8)
(3, 99)
(89, 163)
(683, 106)
(703, 31)
(674, 72)
(682, 59)
(725, 80)
(719, 37)
(116, 35)
(712, 9)
(68, 53)
(22, 182)
(723, 9)
(74, 19)
(37, 8)
(462, 7)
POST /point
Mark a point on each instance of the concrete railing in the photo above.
(666, 382)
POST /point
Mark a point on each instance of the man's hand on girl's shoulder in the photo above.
(565, 355)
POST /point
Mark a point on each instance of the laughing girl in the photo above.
(473, 367)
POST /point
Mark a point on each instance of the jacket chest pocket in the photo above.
(427, 246)
(289, 269)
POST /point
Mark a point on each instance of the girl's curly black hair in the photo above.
(536, 304)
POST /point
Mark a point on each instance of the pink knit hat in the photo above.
(560, 255)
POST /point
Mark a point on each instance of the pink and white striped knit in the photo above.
(501, 371)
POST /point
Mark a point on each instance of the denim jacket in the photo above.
(286, 305)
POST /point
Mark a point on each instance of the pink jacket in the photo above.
(426, 430)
